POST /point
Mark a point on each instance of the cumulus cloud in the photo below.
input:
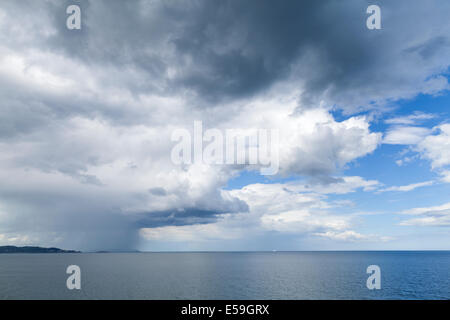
(436, 147)
(321, 145)
(278, 208)
(431, 144)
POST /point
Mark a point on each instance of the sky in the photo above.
(87, 117)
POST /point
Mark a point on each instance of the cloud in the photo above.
(406, 160)
(425, 210)
(341, 185)
(273, 208)
(191, 233)
(428, 216)
(191, 47)
(282, 208)
(352, 236)
(436, 147)
(405, 135)
(445, 176)
(321, 145)
(408, 187)
(118, 178)
(411, 119)
(431, 144)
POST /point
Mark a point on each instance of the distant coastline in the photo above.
(29, 249)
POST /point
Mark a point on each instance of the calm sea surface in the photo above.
(277, 275)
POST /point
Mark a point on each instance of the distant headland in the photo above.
(14, 249)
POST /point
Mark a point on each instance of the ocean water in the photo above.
(243, 275)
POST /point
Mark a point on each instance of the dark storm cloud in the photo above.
(244, 47)
(240, 48)
(181, 217)
(77, 219)
(231, 49)
(225, 50)
(430, 47)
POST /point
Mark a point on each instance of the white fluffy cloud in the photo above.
(318, 144)
(431, 144)
(436, 147)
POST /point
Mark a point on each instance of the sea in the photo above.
(404, 275)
